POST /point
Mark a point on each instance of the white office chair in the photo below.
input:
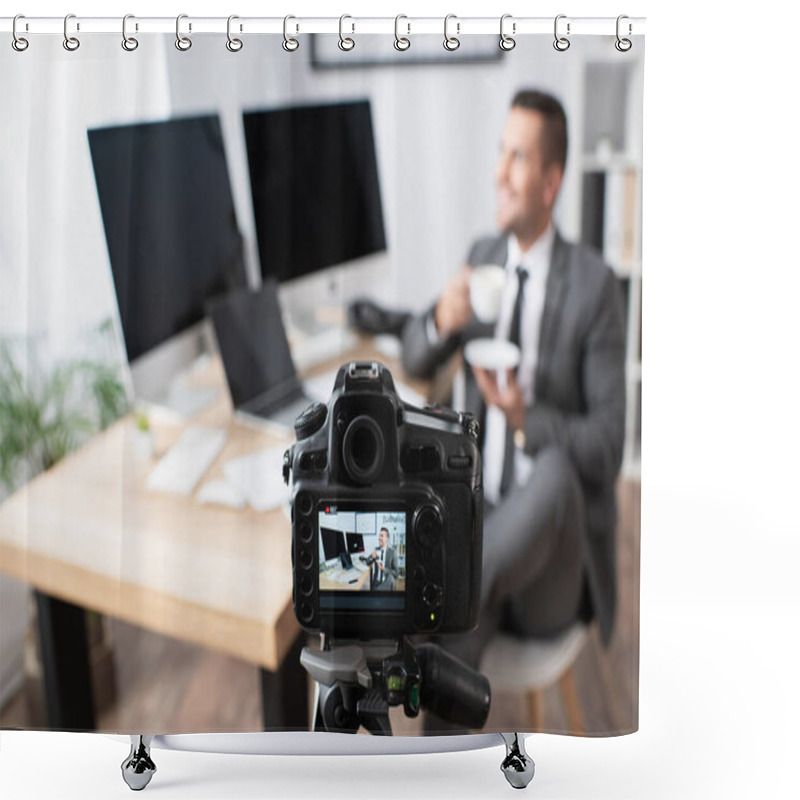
(532, 665)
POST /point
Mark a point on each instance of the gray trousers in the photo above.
(533, 573)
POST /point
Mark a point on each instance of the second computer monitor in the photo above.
(314, 181)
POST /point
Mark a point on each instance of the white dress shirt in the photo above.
(536, 260)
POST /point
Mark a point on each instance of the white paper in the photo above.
(258, 478)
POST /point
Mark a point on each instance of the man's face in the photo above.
(526, 189)
(383, 538)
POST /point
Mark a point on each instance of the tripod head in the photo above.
(358, 682)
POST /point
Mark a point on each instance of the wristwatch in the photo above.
(519, 438)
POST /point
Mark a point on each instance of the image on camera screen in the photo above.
(362, 559)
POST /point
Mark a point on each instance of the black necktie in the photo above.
(514, 335)
(516, 317)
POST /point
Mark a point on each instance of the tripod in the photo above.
(358, 682)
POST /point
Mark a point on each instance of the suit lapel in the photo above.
(555, 289)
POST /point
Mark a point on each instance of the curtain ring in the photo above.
(183, 43)
(401, 43)
(345, 42)
(129, 43)
(561, 43)
(451, 43)
(623, 45)
(233, 44)
(70, 42)
(19, 43)
(507, 42)
(290, 44)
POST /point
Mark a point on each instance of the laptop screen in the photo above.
(254, 349)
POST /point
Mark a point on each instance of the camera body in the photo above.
(398, 490)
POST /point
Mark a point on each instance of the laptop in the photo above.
(258, 364)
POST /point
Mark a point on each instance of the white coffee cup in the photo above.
(486, 284)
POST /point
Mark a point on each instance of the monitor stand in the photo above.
(319, 335)
(165, 377)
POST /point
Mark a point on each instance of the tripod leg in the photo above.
(138, 768)
(518, 766)
(319, 722)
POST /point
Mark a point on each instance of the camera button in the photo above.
(305, 505)
(459, 462)
(304, 531)
(428, 526)
(432, 595)
(421, 459)
(306, 612)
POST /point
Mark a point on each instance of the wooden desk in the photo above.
(328, 581)
(88, 534)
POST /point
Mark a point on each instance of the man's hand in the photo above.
(453, 311)
(509, 399)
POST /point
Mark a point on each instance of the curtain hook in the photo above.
(19, 43)
(345, 42)
(401, 43)
(507, 42)
(623, 45)
(129, 43)
(290, 44)
(561, 43)
(71, 43)
(233, 44)
(183, 43)
(451, 43)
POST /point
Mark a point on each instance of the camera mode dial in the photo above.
(310, 420)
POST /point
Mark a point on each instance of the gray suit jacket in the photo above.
(392, 570)
(579, 389)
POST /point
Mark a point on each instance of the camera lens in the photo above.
(363, 449)
(306, 585)
(428, 526)
(306, 559)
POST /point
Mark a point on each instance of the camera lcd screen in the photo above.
(376, 581)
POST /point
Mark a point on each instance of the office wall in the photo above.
(437, 133)
(55, 280)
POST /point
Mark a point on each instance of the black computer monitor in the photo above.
(332, 543)
(170, 224)
(314, 181)
(355, 542)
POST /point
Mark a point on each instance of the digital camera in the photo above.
(387, 513)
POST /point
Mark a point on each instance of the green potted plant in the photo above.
(46, 413)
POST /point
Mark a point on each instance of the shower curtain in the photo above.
(339, 189)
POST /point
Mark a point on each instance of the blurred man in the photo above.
(552, 427)
(384, 565)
